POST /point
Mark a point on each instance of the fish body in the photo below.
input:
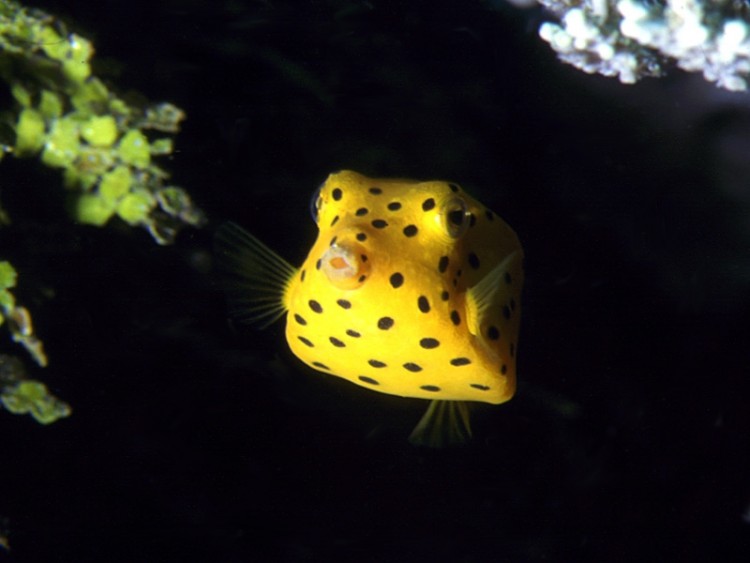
(411, 289)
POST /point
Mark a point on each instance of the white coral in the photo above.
(633, 38)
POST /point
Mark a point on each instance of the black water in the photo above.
(194, 441)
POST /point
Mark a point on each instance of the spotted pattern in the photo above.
(443, 264)
(420, 350)
(423, 304)
(384, 323)
(411, 230)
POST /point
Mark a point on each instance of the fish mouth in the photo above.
(345, 265)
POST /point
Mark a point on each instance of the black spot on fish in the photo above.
(472, 219)
(361, 211)
(376, 363)
(333, 241)
(493, 333)
(300, 319)
(344, 304)
(379, 224)
(336, 194)
(445, 296)
(429, 343)
(315, 306)
(455, 318)
(318, 264)
(335, 220)
(363, 257)
(375, 191)
(361, 237)
(369, 380)
(305, 341)
(433, 388)
(474, 260)
(423, 304)
(361, 278)
(302, 275)
(503, 369)
(321, 366)
(394, 206)
(384, 323)
(397, 280)
(460, 361)
(353, 333)
(336, 342)
(443, 264)
(428, 204)
(480, 387)
(454, 188)
(410, 230)
(412, 367)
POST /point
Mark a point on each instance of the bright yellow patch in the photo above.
(412, 289)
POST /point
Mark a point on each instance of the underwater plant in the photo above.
(105, 147)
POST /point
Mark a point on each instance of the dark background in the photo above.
(192, 440)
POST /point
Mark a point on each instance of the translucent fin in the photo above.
(254, 276)
(446, 423)
(481, 296)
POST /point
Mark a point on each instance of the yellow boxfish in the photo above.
(412, 289)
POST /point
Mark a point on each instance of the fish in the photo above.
(412, 288)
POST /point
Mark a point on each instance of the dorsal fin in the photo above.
(254, 276)
(482, 295)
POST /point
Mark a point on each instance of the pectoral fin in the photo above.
(254, 276)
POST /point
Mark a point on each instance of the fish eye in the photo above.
(455, 217)
(316, 203)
